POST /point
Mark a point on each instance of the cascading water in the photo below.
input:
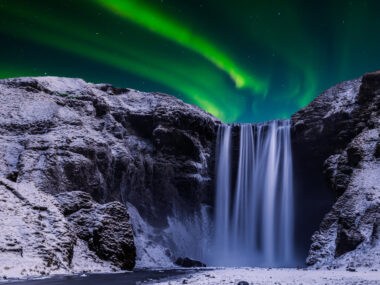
(254, 213)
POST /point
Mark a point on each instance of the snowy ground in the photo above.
(276, 276)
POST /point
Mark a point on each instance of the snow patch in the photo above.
(345, 103)
(184, 237)
(149, 253)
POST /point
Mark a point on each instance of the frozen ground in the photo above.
(276, 276)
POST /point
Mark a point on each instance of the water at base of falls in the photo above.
(254, 211)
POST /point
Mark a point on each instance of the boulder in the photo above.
(105, 228)
(188, 262)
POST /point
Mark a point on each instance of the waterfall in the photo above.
(222, 202)
(254, 197)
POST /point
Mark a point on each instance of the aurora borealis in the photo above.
(242, 61)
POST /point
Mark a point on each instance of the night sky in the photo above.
(243, 61)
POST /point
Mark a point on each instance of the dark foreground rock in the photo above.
(105, 228)
(339, 133)
(188, 262)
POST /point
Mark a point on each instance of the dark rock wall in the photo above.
(313, 199)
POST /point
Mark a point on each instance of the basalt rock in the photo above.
(338, 133)
(188, 262)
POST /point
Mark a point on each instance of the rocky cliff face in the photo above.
(71, 151)
(149, 150)
(339, 134)
(36, 238)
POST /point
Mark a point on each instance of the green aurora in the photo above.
(243, 61)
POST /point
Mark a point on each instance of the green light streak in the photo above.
(162, 25)
(285, 36)
(82, 44)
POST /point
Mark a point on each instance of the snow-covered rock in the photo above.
(35, 237)
(105, 228)
(148, 149)
(339, 132)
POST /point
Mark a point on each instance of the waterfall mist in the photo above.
(254, 220)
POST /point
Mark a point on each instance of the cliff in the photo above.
(82, 165)
(149, 151)
(339, 134)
